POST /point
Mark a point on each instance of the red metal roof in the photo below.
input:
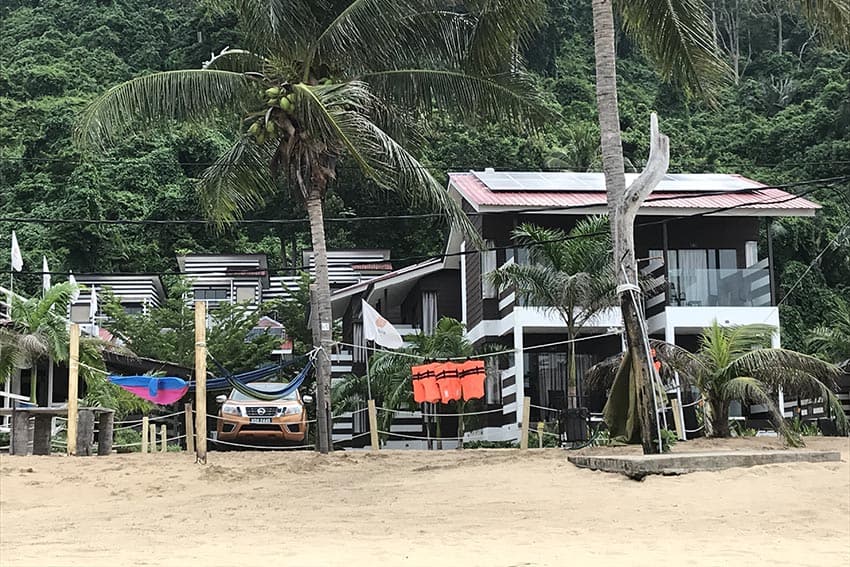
(755, 197)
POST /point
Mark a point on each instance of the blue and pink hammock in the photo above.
(168, 390)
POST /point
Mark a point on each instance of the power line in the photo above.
(293, 270)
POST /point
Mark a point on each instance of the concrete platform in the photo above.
(639, 466)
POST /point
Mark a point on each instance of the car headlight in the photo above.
(231, 409)
(290, 410)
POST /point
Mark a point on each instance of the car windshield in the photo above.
(238, 396)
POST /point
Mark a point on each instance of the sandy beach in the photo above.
(493, 508)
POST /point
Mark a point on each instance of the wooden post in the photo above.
(41, 435)
(201, 381)
(526, 409)
(85, 432)
(73, 382)
(20, 433)
(163, 438)
(152, 437)
(677, 419)
(145, 423)
(540, 426)
(105, 422)
(190, 430)
(373, 425)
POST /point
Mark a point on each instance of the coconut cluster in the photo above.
(280, 106)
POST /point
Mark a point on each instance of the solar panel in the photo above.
(569, 181)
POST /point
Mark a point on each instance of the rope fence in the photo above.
(423, 414)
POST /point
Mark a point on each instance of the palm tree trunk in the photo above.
(325, 326)
(719, 418)
(34, 383)
(621, 217)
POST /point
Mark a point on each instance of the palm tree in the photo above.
(319, 82)
(390, 377)
(569, 273)
(677, 36)
(37, 330)
(732, 365)
(832, 342)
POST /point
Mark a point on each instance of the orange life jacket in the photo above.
(418, 373)
(472, 376)
(448, 381)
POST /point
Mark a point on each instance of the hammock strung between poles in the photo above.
(239, 384)
(257, 375)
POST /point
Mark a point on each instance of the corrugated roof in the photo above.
(748, 194)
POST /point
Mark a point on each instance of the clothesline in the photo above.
(482, 355)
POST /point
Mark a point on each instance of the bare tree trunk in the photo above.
(623, 206)
(325, 326)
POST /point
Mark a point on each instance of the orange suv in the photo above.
(246, 419)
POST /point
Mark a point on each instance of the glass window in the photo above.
(238, 396)
(208, 294)
(244, 294)
(429, 311)
(488, 265)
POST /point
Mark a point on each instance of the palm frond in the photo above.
(788, 369)
(747, 389)
(277, 26)
(506, 96)
(338, 116)
(238, 181)
(140, 103)
(830, 16)
(501, 29)
(833, 341)
(677, 36)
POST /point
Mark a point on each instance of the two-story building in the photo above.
(699, 233)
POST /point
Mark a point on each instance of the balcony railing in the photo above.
(748, 287)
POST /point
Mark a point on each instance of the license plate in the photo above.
(261, 420)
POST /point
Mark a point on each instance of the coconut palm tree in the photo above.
(321, 82)
(677, 37)
(832, 342)
(568, 273)
(732, 364)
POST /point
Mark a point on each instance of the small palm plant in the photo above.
(832, 342)
(569, 273)
(732, 364)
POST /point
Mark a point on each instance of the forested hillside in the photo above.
(784, 117)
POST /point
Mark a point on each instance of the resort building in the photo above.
(697, 234)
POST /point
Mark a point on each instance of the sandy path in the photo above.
(493, 508)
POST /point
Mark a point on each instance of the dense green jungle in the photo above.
(782, 118)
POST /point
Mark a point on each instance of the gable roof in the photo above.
(584, 193)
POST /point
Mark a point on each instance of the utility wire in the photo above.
(291, 270)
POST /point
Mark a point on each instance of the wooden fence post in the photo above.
(85, 432)
(105, 426)
(526, 409)
(677, 419)
(73, 382)
(163, 438)
(152, 437)
(540, 426)
(190, 430)
(201, 381)
(145, 423)
(373, 425)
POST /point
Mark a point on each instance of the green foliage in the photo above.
(740, 430)
(668, 439)
(167, 332)
(804, 428)
(785, 119)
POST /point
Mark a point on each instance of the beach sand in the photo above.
(472, 507)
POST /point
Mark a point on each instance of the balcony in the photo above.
(748, 287)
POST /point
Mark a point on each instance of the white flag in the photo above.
(17, 259)
(378, 329)
(93, 304)
(75, 295)
(45, 277)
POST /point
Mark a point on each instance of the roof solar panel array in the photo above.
(568, 181)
